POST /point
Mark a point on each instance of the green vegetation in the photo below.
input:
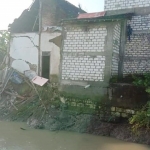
(49, 98)
(84, 104)
(143, 81)
(82, 98)
(114, 79)
(49, 95)
(142, 117)
(35, 105)
(4, 41)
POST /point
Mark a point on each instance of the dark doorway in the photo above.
(45, 64)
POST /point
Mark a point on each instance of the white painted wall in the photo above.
(20, 65)
(24, 51)
(55, 60)
(47, 46)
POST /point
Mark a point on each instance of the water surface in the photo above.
(13, 138)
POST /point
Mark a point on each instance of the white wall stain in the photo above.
(20, 65)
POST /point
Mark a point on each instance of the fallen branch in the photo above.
(15, 94)
(43, 114)
(13, 105)
(22, 102)
(5, 80)
(39, 96)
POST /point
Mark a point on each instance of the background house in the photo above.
(98, 46)
(90, 47)
(137, 50)
(36, 37)
(90, 55)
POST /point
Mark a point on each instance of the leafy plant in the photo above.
(114, 79)
(4, 40)
(143, 81)
(49, 95)
(141, 119)
(148, 109)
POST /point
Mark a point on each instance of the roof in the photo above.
(65, 10)
(91, 15)
(29, 19)
(70, 10)
(100, 16)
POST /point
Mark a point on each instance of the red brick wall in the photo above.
(53, 11)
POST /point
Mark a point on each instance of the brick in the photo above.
(123, 4)
(124, 115)
(80, 67)
(137, 48)
(113, 108)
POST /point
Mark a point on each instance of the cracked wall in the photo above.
(24, 51)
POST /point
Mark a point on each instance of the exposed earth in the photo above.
(45, 115)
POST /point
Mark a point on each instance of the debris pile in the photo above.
(17, 88)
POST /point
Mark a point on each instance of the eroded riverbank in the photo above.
(14, 138)
(53, 114)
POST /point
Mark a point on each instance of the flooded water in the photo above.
(14, 138)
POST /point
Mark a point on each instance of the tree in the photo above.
(4, 41)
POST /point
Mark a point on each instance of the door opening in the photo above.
(46, 65)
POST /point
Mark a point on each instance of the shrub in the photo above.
(141, 119)
(143, 81)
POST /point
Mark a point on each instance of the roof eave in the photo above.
(99, 19)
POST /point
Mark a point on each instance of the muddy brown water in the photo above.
(14, 138)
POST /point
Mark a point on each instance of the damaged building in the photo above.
(81, 50)
(36, 37)
(98, 46)
(90, 56)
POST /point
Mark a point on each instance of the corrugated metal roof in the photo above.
(91, 15)
(105, 18)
